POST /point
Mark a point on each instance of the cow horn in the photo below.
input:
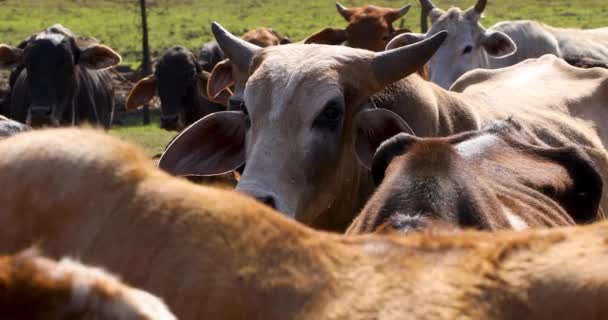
(404, 10)
(480, 6)
(393, 65)
(238, 50)
(344, 12)
(427, 7)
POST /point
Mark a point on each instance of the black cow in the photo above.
(181, 85)
(60, 79)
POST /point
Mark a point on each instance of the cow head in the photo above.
(369, 27)
(468, 47)
(293, 126)
(50, 59)
(486, 179)
(181, 86)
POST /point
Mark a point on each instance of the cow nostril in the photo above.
(267, 200)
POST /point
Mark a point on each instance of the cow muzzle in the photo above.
(171, 122)
(41, 116)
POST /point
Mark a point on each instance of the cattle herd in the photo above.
(464, 166)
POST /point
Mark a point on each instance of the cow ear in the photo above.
(213, 145)
(372, 127)
(202, 82)
(220, 81)
(498, 44)
(405, 39)
(331, 36)
(10, 57)
(99, 57)
(143, 91)
(582, 200)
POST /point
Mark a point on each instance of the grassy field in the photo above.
(186, 22)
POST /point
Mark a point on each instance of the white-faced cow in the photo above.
(60, 79)
(489, 179)
(294, 128)
(216, 254)
(471, 46)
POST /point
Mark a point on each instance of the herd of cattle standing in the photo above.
(455, 151)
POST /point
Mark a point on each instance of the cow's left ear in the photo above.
(202, 82)
(498, 44)
(99, 57)
(372, 127)
(10, 57)
(581, 199)
(331, 36)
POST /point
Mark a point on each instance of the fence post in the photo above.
(146, 66)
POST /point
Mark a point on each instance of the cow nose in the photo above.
(169, 122)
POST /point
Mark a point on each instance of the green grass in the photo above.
(186, 22)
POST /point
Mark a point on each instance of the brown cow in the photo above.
(33, 287)
(295, 120)
(369, 27)
(489, 179)
(214, 254)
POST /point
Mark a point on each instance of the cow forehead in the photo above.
(295, 74)
(54, 38)
(476, 146)
(456, 24)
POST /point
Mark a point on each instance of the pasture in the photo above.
(186, 22)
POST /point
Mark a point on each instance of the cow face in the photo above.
(51, 59)
(294, 122)
(369, 27)
(181, 86)
(468, 47)
(487, 179)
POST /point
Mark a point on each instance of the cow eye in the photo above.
(467, 49)
(331, 116)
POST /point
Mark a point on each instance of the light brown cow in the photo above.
(33, 287)
(294, 127)
(215, 254)
(489, 179)
(369, 27)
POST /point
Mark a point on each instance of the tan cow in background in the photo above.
(214, 254)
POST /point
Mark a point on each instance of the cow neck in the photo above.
(429, 109)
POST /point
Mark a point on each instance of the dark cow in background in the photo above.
(369, 27)
(489, 179)
(211, 53)
(181, 85)
(180, 80)
(60, 79)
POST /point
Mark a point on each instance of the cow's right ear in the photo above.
(405, 39)
(372, 127)
(144, 90)
(213, 145)
(219, 82)
(331, 36)
(10, 57)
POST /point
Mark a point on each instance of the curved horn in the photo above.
(398, 13)
(238, 50)
(427, 7)
(393, 65)
(480, 6)
(344, 11)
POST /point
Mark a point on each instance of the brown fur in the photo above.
(217, 254)
(34, 287)
(490, 179)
